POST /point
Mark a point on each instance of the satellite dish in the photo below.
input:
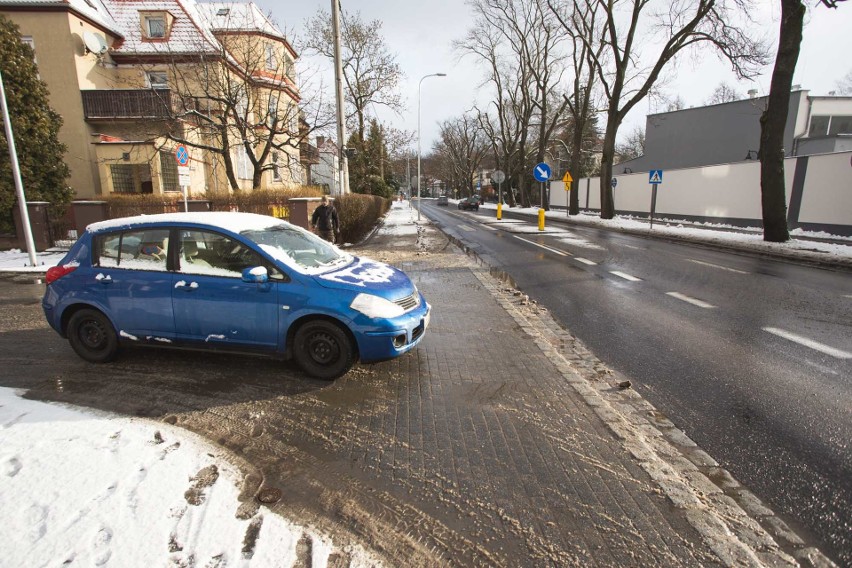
(95, 43)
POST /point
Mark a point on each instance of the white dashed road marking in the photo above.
(466, 228)
(545, 247)
(717, 266)
(586, 261)
(625, 276)
(840, 354)
(690, 300)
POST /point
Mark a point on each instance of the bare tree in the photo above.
(572, 16)
(675, 103)
(525, 60)
(461, 150)
(683, 25)
(505, 118)
(632, 146)
(370, 71)
(844, 85)
(723, 93)
(773, 121)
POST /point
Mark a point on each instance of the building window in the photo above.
(819, 126)
(154, 26)
(276, 172)
(158, 80)
(271, 64)
(272, 108)
(131, 178)
(840, 125)
(243, 164)
(830, 125)
(169, 172)
(29, 41)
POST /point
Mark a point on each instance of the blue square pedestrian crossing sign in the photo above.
(655, 176)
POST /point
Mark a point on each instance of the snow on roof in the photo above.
(230, 221)
(233, 16)
(92, 10)
(188, 32)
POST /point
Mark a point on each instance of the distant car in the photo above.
(443, 200)
(469, 203)
(230, 282)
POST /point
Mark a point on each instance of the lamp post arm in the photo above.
(419, 90)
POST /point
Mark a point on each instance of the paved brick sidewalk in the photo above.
(501, 442)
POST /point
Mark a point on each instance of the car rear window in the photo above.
(134, 250)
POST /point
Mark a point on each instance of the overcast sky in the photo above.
(421, 34)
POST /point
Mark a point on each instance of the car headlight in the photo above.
(375, 307)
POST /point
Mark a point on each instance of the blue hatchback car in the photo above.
(230, 281)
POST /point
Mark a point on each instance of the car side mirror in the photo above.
(256, 274)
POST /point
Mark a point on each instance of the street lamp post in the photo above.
(419, 87)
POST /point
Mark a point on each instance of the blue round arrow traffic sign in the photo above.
(541, 172)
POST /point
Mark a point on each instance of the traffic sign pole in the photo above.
(653, 202)
(655, 178)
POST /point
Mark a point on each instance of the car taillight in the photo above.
(54, 273)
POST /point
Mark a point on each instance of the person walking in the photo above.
(325, 220)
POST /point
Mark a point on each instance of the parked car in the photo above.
(469, 203)
(443, 200)
(230, 281)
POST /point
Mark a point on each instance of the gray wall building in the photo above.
(730, 132)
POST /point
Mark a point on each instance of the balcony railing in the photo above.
(129, 103)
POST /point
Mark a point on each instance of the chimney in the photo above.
(752, 93)
(320, 141)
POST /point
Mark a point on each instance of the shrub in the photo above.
(359, 214)
(140, 204)
(261, 201)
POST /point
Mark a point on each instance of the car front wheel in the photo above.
(92, 336)
(323, 350)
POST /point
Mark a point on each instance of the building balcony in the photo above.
(129, 104)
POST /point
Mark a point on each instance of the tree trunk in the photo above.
(607, 201)
(576, 159)
(773, 122)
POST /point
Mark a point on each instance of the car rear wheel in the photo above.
(92, 336)
(323, 350)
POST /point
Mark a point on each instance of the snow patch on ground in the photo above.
(96, 490)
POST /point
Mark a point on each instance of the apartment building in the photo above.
(134, 80)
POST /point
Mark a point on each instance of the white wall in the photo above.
(728, 191)
(827, 196)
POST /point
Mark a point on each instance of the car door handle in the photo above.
(104, 279)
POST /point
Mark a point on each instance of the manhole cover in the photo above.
(269, 495)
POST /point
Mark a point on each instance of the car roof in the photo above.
(230, 221)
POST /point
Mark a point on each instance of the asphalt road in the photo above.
(751, 357)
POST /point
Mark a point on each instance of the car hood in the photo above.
(367, 275)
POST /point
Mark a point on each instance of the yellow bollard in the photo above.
(499, 211)
(541, 219)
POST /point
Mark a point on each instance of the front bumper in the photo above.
(387, 344)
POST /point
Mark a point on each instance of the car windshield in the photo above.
(298, 248)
